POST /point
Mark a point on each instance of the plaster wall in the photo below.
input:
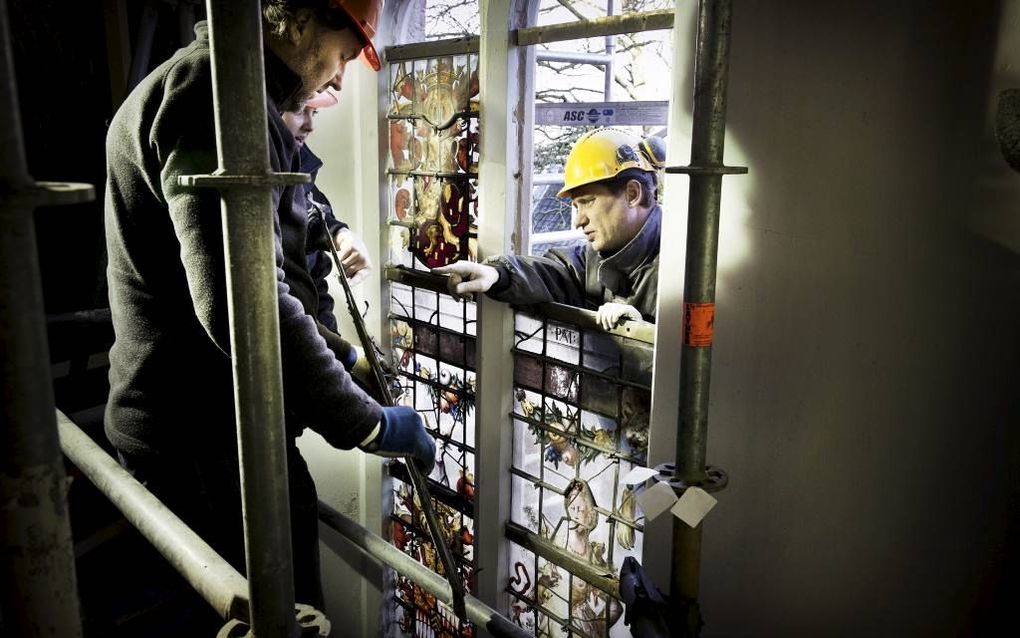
(864, 382)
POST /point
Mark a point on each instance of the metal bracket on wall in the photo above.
(716, 478)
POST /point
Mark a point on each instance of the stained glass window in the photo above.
(580, 423)
(433, 347)
(433, 161)
(431, 212)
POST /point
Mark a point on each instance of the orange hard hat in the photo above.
(322, 99)
(365, 16)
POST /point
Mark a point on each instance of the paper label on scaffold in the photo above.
(655, 500)
(693, 506)
(638, 474)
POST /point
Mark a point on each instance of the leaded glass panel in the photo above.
(433, 160)
(580, 423)
(433, 351)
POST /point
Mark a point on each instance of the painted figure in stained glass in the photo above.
(466, 485)
(561, 437)
(589, 606)
(445, 90)
(548, 582)
(401, 204)
(400, 149)
(410, 517)
(443, 219)
(517, 609)
(402, 91)
(467, 152)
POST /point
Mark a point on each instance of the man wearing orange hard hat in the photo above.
(170, 413)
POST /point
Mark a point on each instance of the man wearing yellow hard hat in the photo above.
(611, 179)
(170, 413)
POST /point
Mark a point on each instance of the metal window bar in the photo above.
(433, 49)
(595, 59)
(692, 373)
(542, 179)
(610, 25)
(607, 92)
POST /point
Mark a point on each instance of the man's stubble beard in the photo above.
(304, 67)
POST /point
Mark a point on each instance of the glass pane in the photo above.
(442, 391)
(433, 160)
(525, 503)
(592, 428)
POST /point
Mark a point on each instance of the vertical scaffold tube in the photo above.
(235, 29)
(706, 172)
(38, 592)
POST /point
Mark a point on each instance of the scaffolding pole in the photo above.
(244, 180)
(38, 591)
(207, 572)
(705, 171)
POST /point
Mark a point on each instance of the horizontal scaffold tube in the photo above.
(478, 612)
(207, 572)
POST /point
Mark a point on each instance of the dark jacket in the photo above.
(320, 263)
(582, 277)
(170, 367)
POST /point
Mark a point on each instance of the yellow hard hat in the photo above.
(600, 155)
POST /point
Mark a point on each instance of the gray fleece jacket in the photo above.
(170, 367)
(582, 277)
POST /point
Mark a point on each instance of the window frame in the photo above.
(507, 116)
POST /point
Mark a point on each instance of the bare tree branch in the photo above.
(563, 95)
(569, 6)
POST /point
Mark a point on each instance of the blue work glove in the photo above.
(402, 433)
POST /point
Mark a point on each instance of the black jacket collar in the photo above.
(643, 249)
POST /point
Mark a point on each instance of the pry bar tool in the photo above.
(418, 481)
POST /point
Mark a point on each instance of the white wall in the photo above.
(864, 382)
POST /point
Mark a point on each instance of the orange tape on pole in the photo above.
(699, 321)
